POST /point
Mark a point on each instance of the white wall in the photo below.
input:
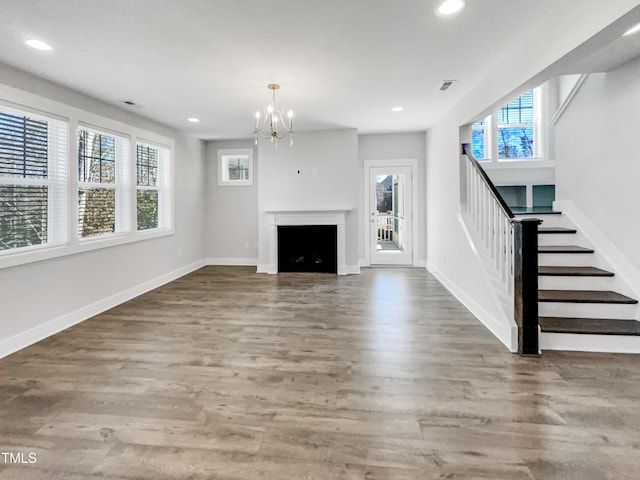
(231, 212)
(598, 166)
(448, 252)
(399, 146)
(39, 298)
(319, 172)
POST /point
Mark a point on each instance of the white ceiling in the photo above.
(340, 63)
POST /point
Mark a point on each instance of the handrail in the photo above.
(466, 150)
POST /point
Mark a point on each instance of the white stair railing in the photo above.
(509, 247)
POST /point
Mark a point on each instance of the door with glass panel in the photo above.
(390, 216)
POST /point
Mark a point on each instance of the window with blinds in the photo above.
(148, 169)
(32, 193)
(516, 127)
(77, 190)
(96, 179)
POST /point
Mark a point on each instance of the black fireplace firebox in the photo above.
(308, 248)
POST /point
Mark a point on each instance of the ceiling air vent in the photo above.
(446, 84)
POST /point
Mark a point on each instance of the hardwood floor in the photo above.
(227, 374)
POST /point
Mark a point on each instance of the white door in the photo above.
(390, 216)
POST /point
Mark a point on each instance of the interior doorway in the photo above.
(390, 214)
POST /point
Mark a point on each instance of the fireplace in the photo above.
(307, 248)
(274, 219)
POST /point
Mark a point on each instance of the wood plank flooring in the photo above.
(227, 374)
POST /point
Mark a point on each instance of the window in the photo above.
(479, 139)
(517, 127)
(32, 180)
(511, 132)
(102, 160)
(235, 167)
(72, 185)
(149, 170)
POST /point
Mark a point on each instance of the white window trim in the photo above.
(223, 171)
(119, 185)
(164, 187)
(13, 98)
(540, 134)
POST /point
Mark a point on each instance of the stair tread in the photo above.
(584, 296)
(552, 230)
(570, 271)
(533, 211)
(589, 326)
(563, 249)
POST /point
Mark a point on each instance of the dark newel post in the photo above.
(525, 235)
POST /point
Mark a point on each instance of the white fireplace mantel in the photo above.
(276, 218)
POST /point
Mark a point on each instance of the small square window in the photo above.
(235, 167)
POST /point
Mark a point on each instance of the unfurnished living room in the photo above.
(336, 240)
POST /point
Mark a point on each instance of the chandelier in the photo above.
(271, 120)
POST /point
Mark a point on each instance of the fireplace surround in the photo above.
(275, 219)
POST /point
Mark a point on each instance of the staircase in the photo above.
(579, 305)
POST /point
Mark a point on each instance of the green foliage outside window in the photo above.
(147, 209)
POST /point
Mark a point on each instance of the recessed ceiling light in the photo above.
(38, 44)
(632, 30)
(450, 7)
(193, 119)
(397, 109)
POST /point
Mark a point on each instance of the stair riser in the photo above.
(557, 239)
(575, 283)
(552, 220)
(566, 259)
(586, 310)
(589, 343)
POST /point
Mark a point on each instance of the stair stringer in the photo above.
(504, 327)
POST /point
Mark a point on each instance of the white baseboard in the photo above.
(351, 269)
(267, 268)
(33, 335)
(246, 262)
(507, 334)
(420, 263)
